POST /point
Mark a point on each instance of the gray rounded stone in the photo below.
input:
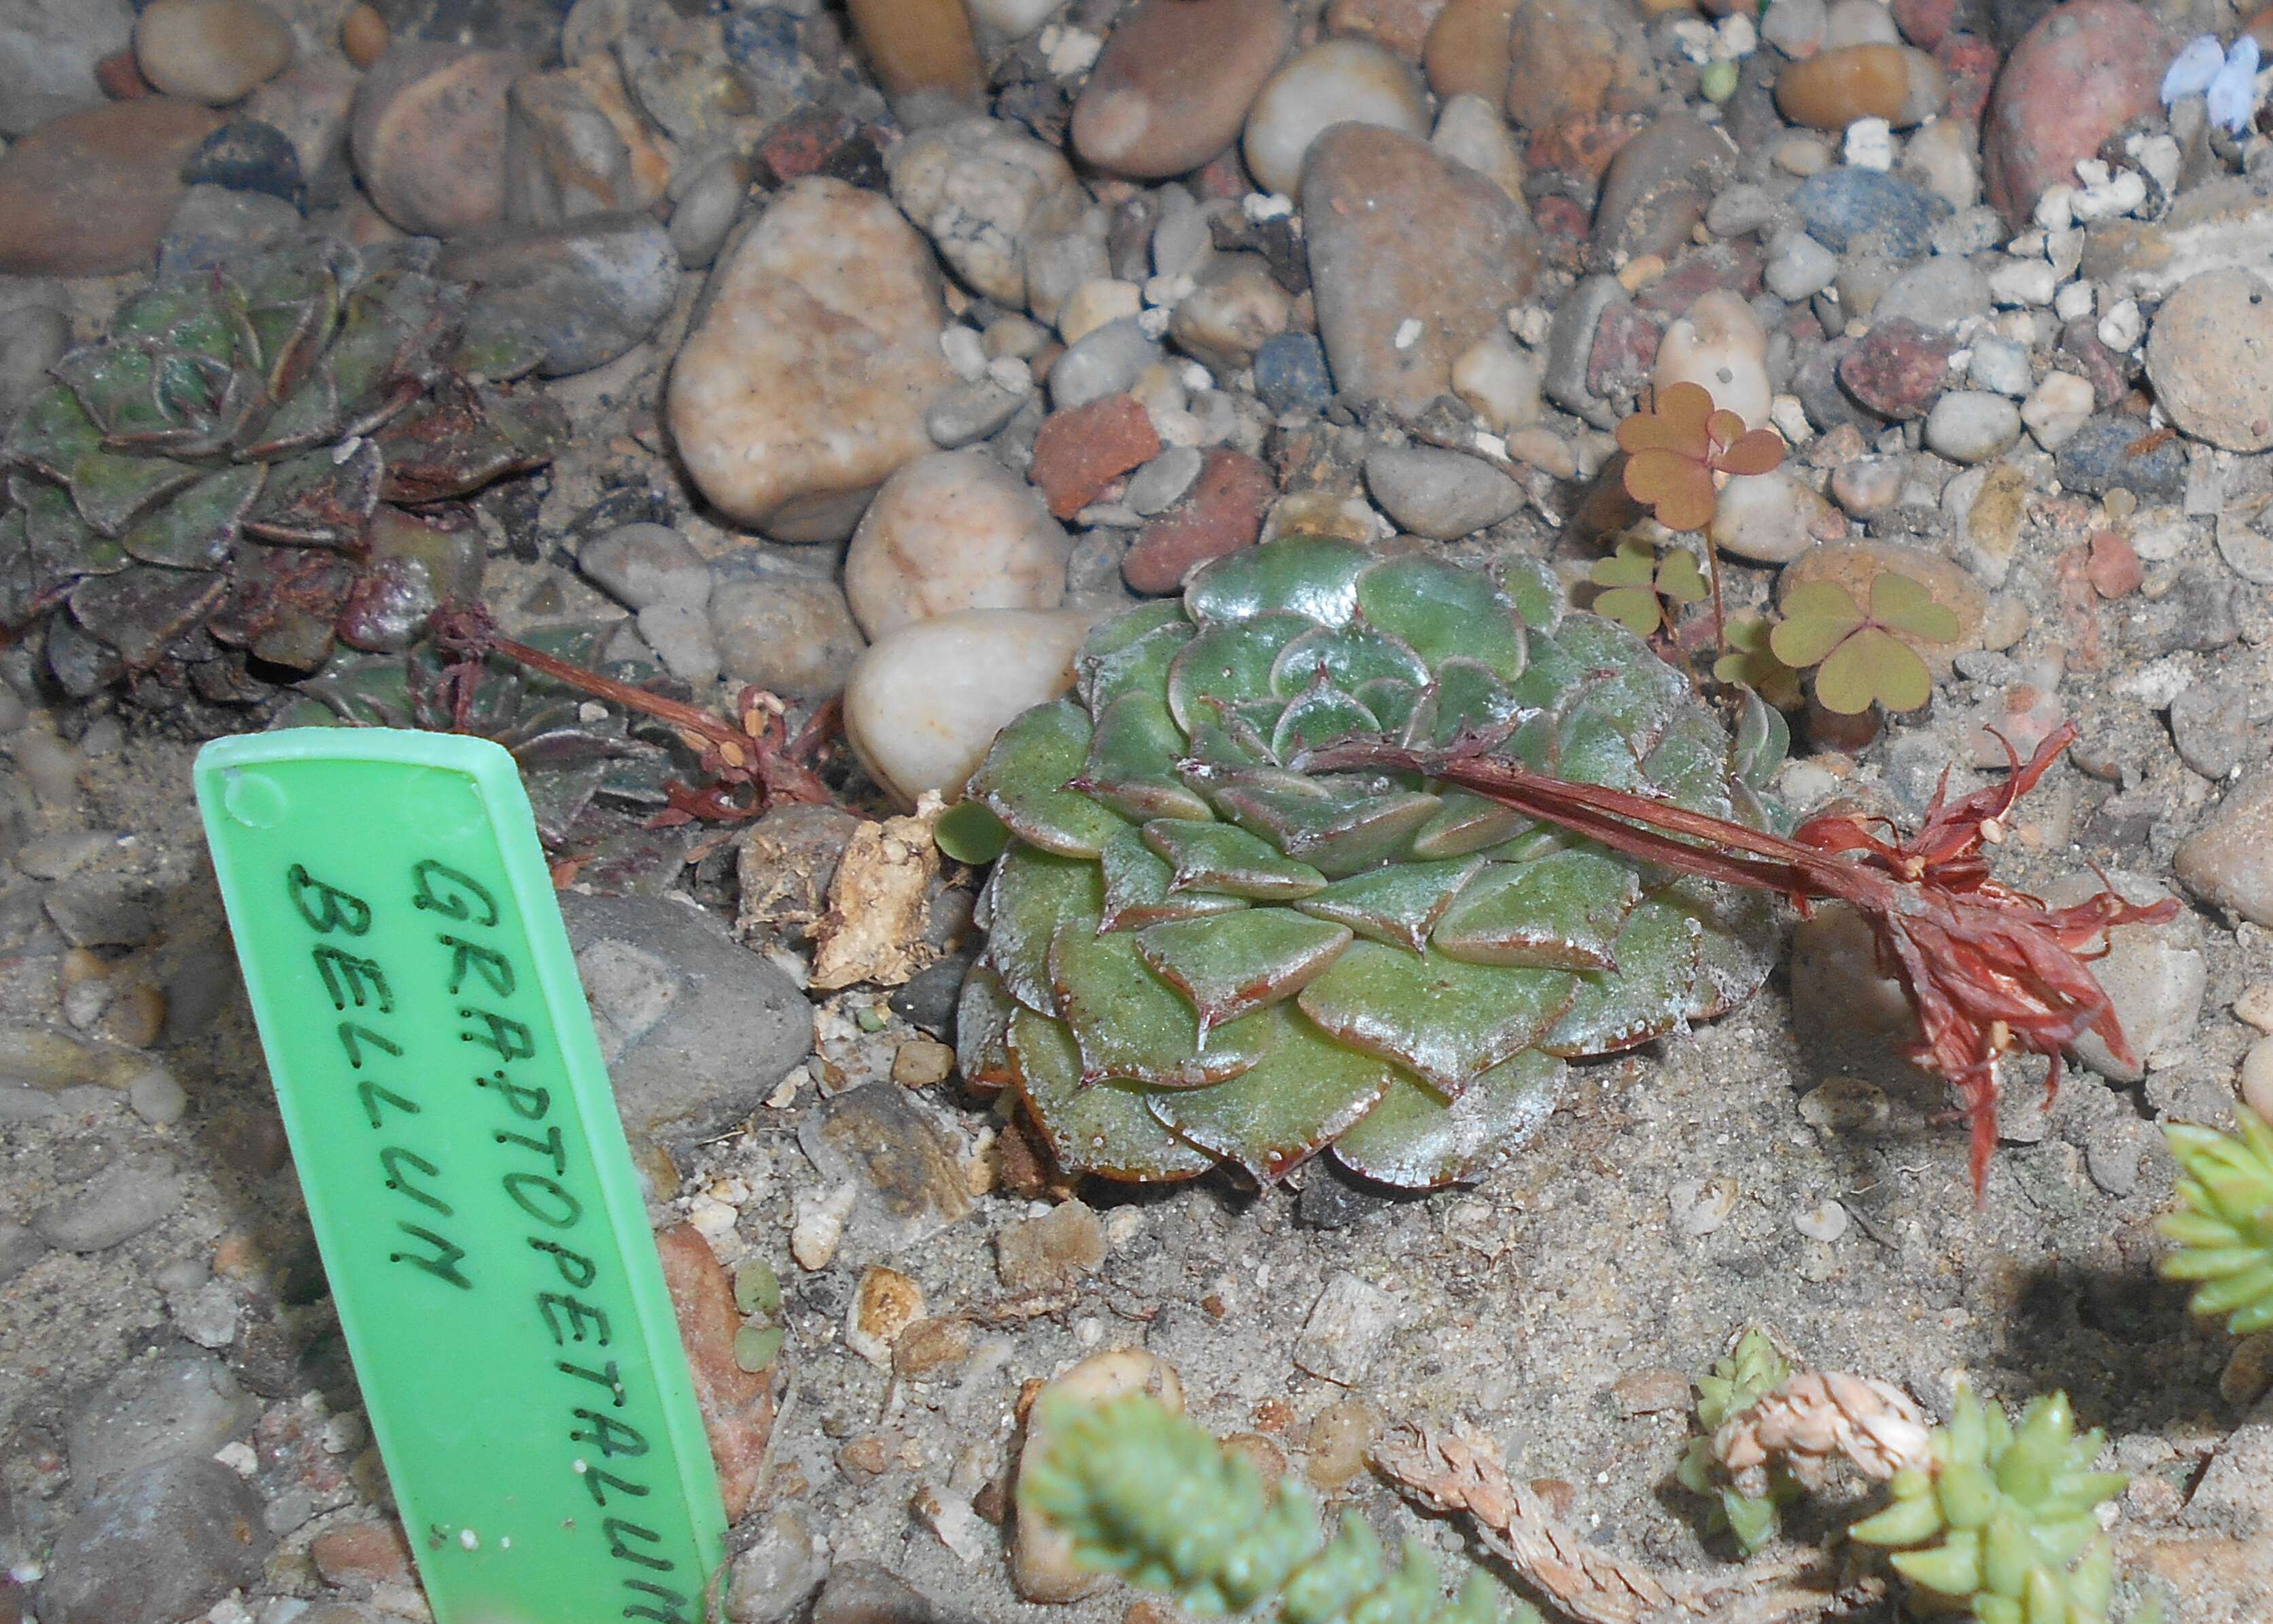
(1441, 494)
(161, 1546)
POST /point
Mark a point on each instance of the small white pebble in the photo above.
(2159, 156)
(1869, 144)
(965, 354)
(1408, 332)
(1960, 359)
(819, 1226)
(2122, 327)
(2052, 208)
(1736, 38)
(712, 1218)
(1531, 323)
(2023, 282)
(239, 1457)
(1694, 36)
(1068, 51)
(1168, 291)
(1791, 419)
(469, 1539)
(2092, 171)
(1010, 374)
(1490, 444)
(1152, 321)
(2075, 298)
(1195, 376)
(1261, 205)
(1825, 1223)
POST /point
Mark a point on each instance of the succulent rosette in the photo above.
(254, 464)
(1200, 952)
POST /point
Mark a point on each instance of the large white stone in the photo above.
(806, 385)
(1333, 82)
(926, 700)
(951, 531)
(975, 186)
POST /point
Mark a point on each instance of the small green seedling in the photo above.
(2004, 1523)
(2224, 1223)
(1749, 662)
(1141, 1492)
(1735, 1384)
(758, 1298)
(1642, 590)
(1863, 658)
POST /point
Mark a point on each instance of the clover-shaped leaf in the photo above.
(1638, 585)
(1749, 662)
(1678, 452)
(1862, 657)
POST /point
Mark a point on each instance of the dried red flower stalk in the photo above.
(758, 755)
(1989, 969)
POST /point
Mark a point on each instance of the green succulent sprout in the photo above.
(1199, 952)
(1641, 590)
(1141, 1492)
(1735, 1384)
(2224, 1223)
(223, 486)
(2004, 1522)
(1863, 658)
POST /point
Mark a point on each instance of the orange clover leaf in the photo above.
(1675, 451)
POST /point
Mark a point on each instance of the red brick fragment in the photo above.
(803, 142)
(2114, 569)
(1082, 450)
(358, 1557)
(738, 1406)
(1220, 514)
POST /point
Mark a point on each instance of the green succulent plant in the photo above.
(1735, 1384)
(2224, 1223)
(2004, 1524)
(1141, 1492)
(1199, 952)
(223, 486)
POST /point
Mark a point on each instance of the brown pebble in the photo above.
(737, 1405)
(1650, 1392)
(863, 1459)
(136, 1016)
(1466, 50)
(90, 193)
(917, 45)
(1338, 1438)
(921, 1062)
(1064, 1242)
(358, 1556)
(930, 1345)
(1834, 88)
(1269, 1460)
(364, 36)
(119, 77)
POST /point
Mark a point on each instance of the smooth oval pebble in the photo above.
(428, 133)
(1335, 81)
(1971, 425)
(2209, 355)
(1833, 89)
(1174, 82)
(1441, 494)
(365, 35)
(926, 701)
(91, 193)
(788, 635)
(212, 51)
(951, 531)
(2081, 72)
(1721, 346)
(1466, 52)
(1769, 518)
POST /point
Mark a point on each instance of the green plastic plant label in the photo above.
(466, 1173)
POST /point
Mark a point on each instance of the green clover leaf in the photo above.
(1860, 658)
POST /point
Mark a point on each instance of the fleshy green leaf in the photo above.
(1313, 577)
(1032, 894)
(1104, 1128)
(1563, 912)
(1417, 1139)
(1218, 857)
(1399, 904)
(1129, 1023)
(1304, 1092)
(1441, 612)
(1229, 964)
(1444, 1019)
(1023, 780)
(1136, 887)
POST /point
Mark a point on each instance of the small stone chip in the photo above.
(1348, 1326)
(1064, 1242)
